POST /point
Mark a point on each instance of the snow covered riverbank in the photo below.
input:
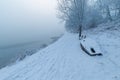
(64, 60)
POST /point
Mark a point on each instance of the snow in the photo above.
(64, 60)
(91, 43)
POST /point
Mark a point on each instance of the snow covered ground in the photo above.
(64, 60)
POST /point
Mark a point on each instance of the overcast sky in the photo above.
(25, 20)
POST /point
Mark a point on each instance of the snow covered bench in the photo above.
(90, 47)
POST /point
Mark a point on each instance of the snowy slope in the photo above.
(64, 60)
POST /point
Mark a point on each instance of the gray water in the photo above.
(17, 52)
(26, 26)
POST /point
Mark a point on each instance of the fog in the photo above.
(25, 21)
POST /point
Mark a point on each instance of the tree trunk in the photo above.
(119, 13)
(108, 15)
(80, 32)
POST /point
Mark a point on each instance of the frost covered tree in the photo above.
(104, 7)
(109, 7)
(93, 17)
(78, 14)
(87, 13)
(117, 7)
(72, 12)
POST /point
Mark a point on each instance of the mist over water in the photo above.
(26, 24)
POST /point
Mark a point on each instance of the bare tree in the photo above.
(72, 11)
(78, 15)
(104, 6)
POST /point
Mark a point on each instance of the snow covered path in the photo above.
(63, 60)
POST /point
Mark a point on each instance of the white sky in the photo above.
(23, 20)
